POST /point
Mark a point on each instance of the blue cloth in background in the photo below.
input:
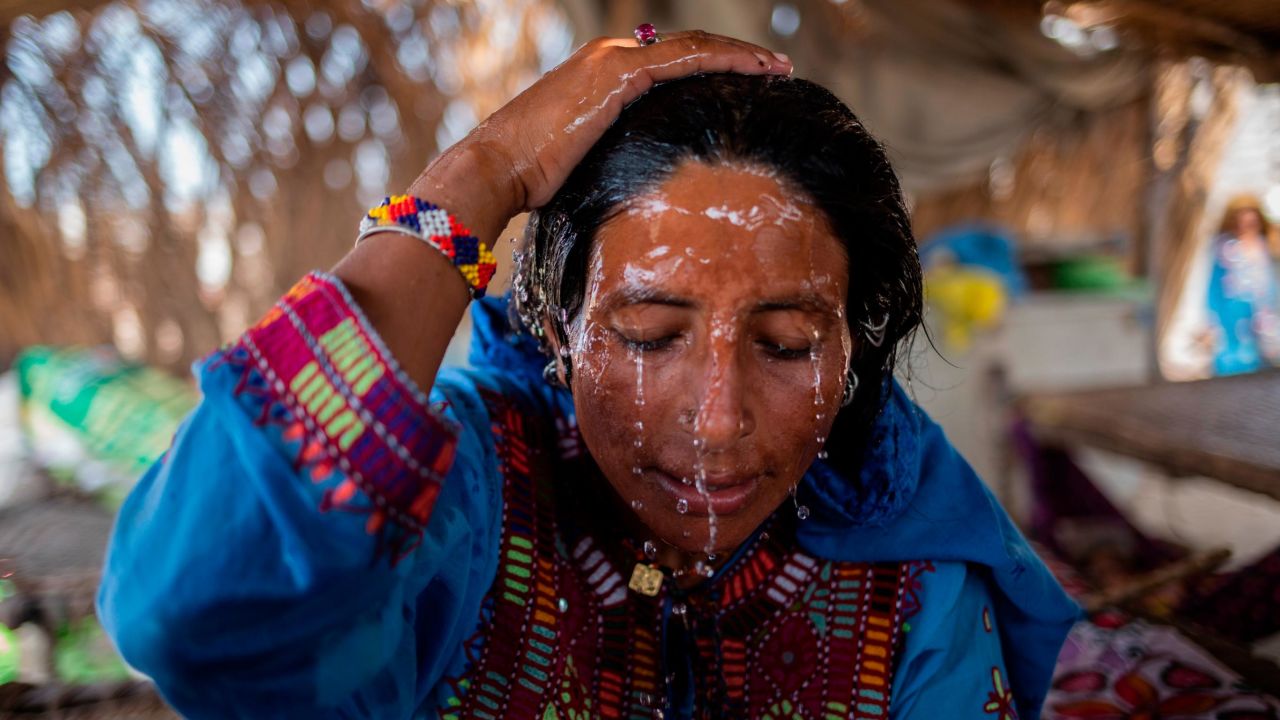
(981, 246)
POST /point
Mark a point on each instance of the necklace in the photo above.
(647, 576)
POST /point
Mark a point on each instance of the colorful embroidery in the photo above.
(914, 584)
(1000, 699)
(781, 634)
(313, 367)
(1131, 669)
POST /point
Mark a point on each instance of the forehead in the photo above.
(720, 233)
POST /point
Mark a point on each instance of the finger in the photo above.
(694, 36)
(687, 41)
(694, 52)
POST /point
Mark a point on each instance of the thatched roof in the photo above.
(1234, 32)
(103, 254)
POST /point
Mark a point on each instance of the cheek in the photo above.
(616, 413)
(798, 402)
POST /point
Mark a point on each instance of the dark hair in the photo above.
(792, 126)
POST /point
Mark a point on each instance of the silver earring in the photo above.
(552, 377)
(875, 333)
(850, 387)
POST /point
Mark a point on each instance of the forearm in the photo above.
(409, 291)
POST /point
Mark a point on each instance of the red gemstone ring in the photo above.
(647, 34)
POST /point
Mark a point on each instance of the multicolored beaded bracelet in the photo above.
(433, 225)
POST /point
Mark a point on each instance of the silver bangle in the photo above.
(395, 229)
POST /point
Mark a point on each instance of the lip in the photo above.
(725, 495)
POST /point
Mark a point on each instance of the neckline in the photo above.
(574, 503)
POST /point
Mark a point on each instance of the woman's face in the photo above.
(709, 358)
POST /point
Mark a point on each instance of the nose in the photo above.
(723, 413)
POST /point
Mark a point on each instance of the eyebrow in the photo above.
(645, 295)
(634, 294)
(806, 302)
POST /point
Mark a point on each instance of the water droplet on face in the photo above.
(685, 533)
(637, 504)
(802, 512)
(638, 442)
(699, 444)
(682, 506)
(563, 605)
(711, 557)
(821, 439)
(637, 471)
(650, 550)
(822, 454)
(686, 481)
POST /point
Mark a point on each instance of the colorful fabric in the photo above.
(96, 420)
(777, 633)
(437, 228)
(367, 559)
(1117, 669)
(324, 377)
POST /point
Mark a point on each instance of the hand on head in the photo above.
(514, 161)
(519, 156)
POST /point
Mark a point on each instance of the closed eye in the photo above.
(648, 344)
(784, 352)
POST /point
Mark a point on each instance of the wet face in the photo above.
(710, 355)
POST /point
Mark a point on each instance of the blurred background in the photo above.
(1092, 185)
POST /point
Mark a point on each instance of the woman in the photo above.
(683, 485)
(1244, 298)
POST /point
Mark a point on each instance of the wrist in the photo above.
(476, 184)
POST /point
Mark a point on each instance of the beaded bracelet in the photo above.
(433, 225)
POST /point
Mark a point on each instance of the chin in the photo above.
(694, 535)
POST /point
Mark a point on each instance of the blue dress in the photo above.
(1244, 298)
(323, 539)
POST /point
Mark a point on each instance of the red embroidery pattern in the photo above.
(780, 634)
(313, 367)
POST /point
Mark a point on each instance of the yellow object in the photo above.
(966, 300)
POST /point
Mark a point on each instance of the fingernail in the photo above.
(783, 57)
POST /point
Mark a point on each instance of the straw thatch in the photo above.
(275, 125)
(306, 112)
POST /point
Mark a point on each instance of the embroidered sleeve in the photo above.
(951, 664)
(351, 419)
(299, 550)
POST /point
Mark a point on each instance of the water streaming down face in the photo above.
(722, 294)
(688, 238)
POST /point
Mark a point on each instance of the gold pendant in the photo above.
(646, 579)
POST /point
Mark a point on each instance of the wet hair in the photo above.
(793, 127)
